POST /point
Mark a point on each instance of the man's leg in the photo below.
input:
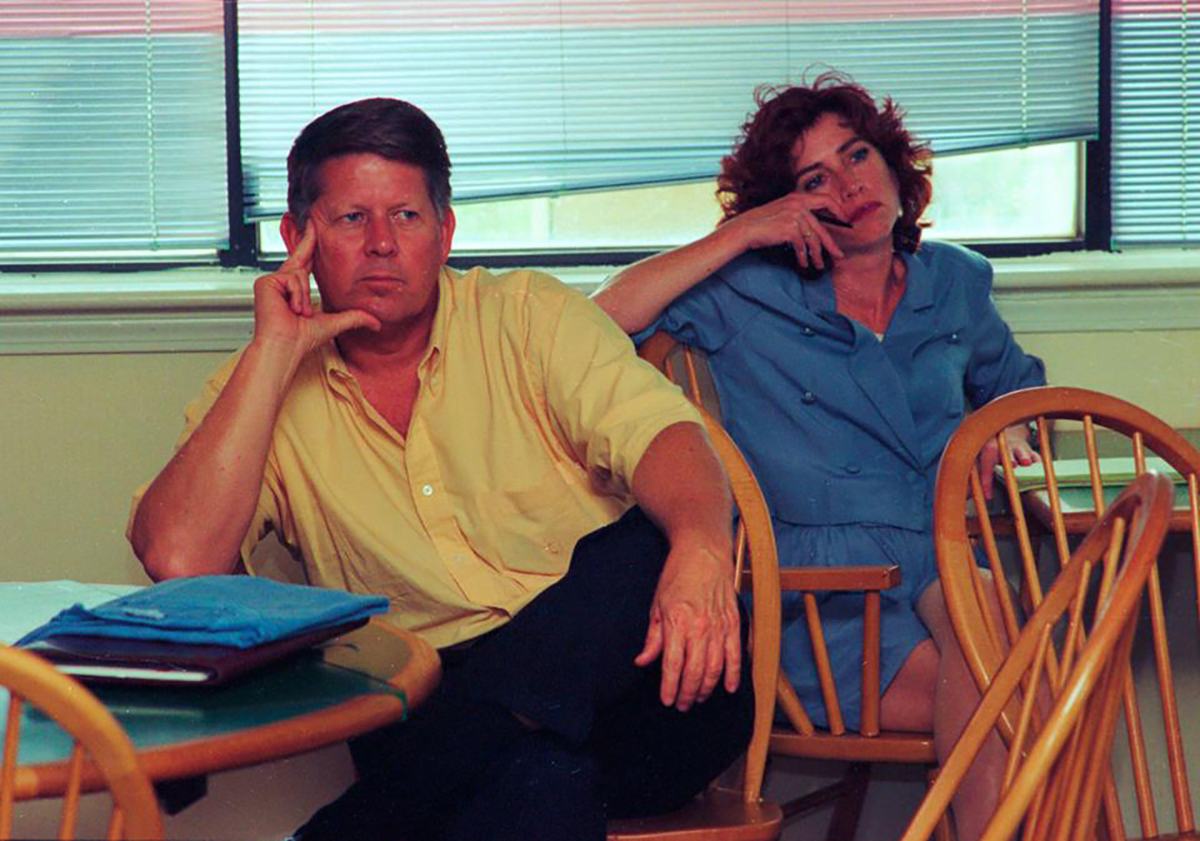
(652, 759)
(414, 775)
(570, 651)
(545, 789)
(568, 654)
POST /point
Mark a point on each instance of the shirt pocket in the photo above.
(528, 529)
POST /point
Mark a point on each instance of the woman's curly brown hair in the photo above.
(759, 169)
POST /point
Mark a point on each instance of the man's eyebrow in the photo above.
(840, 149)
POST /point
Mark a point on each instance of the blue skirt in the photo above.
(842, 613)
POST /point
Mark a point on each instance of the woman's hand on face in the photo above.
(789, 220)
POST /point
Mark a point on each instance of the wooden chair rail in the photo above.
(986, 636)
(1056, 781)
(100, 748)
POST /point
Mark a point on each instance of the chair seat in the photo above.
(888, 746)
(716, 815)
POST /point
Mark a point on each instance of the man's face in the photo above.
(380, 244)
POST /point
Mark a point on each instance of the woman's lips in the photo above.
(862, 210)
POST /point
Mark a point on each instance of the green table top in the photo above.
(158, 717)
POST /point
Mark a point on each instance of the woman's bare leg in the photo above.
(936, 670)
(954, 702)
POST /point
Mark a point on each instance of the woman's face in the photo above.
(849, 177)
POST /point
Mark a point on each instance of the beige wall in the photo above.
(1159, 371)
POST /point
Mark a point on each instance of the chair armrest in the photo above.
(836, 578)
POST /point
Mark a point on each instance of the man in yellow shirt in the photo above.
(489, 453)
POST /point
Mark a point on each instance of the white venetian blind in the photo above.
(1156, 123)
(112, 129)
(544, 97)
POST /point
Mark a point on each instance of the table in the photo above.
(1079, 513)
(350, 685)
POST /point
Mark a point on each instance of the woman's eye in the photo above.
(860, 154)
(813, 183)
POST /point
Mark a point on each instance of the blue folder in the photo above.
(237, 611)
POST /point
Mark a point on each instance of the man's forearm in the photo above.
(194, 516)
(693, 626)
(681, 485)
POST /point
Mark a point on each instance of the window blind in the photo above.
(112, 129)
(1156, 123)
(547, 97)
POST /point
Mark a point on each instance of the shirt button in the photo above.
(808, 397)
(808, 331)
(459, 557)
(552, 547)
(853, 468)
(952, 338)
(427, 490)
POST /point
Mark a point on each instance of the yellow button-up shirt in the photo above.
(532, 415)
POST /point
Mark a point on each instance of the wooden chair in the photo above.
(1057, 770)
(799, 737)
(1109, 427)
(721, 813)
(102, 756)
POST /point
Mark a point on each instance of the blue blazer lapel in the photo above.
(876, 379)
(811, 304)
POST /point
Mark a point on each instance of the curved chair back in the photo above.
(1026, 531)
(1065, 682)
(102, 755)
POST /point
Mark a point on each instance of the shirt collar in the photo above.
(818, 295)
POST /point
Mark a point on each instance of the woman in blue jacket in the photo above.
(844, 353)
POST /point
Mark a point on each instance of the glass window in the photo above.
(549, 98)
(112, 134)
(1003, 195)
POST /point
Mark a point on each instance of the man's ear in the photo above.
(291, 231)
(448, 224)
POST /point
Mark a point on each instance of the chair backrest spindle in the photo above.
(1054, 503)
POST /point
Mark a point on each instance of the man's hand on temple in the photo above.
(283, 310)
(694, 626)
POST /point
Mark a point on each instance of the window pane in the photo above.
(113, 130)
(1156, 107)
(1010, 194)
(542, 98)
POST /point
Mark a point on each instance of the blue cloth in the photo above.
(231, 610)
(845, 431)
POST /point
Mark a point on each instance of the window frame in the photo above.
(243, 250)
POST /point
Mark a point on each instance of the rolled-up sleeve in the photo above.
(608, 403)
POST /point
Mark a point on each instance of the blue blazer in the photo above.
(839, 426)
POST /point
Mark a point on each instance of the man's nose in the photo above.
(381, 239)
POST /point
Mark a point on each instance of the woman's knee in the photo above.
(907, 705)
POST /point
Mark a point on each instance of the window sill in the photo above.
(210, 309)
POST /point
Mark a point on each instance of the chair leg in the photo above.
(944, 831)
(844, 822)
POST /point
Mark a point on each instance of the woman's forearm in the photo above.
(636, 295)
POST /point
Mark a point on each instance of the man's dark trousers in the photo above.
(464, 768)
